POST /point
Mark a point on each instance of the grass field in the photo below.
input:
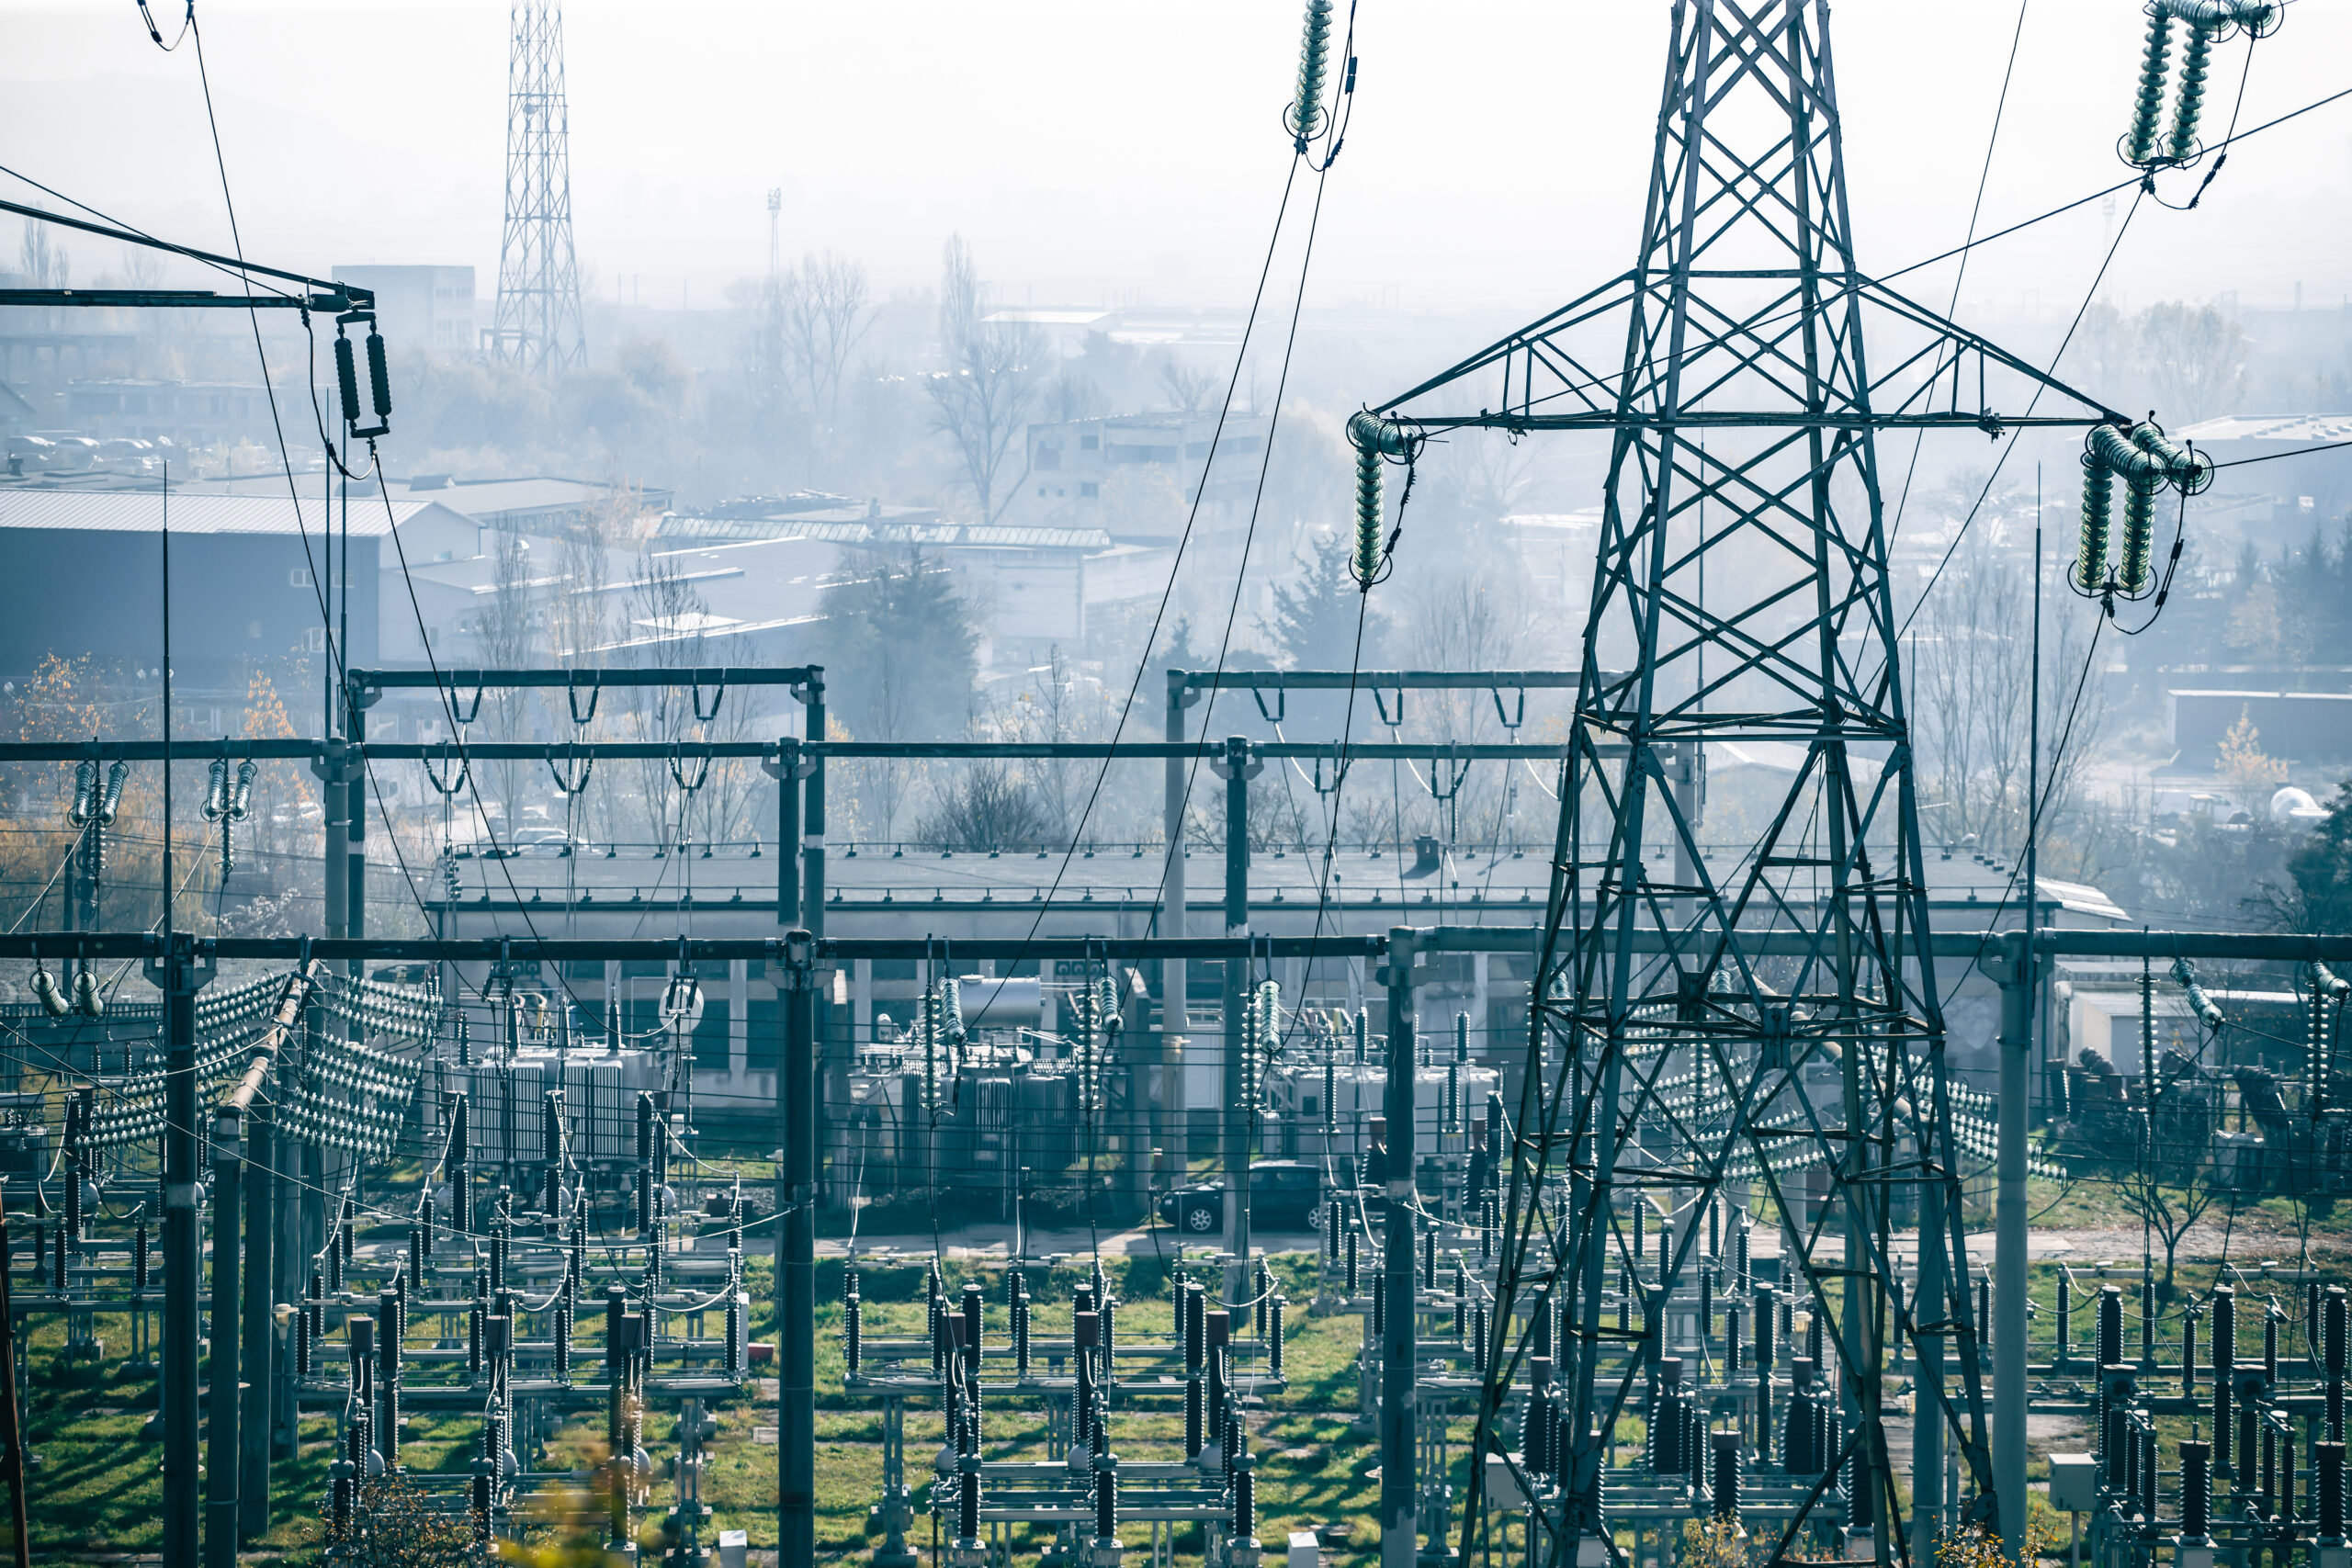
(97, 1487)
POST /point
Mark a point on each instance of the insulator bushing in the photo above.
(1021, 1333)
(380, 377)
(2269, 1470)
(347, 377)
(2110, 1325)
(563, 1336)
(1194, 1417)
(140, 1259)
(1354, 1281)
(2196, 1488)
(1275, 1336)
(968, 1499)
(1535, 1425)
(1724, 1489)
(2330, 1501)
(853, 1329)
(1799, 1432)
(2332, 1330)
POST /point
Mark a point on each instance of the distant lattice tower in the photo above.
(538, 325)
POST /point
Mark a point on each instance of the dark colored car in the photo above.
(1284, 1194)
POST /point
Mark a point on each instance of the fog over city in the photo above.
(1671, 695)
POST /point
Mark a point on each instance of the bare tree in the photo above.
(1189, 388)
(506, 630)
(1973, 658)
(45, 264)
(986, 392)
(2195, 357)
(823, 310)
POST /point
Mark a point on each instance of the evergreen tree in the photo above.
(899, 647)
(1317, 614)
(2323, 869)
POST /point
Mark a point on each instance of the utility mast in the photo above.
(538, 325)
(1752, 1029)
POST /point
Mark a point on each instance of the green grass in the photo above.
(98, 1486)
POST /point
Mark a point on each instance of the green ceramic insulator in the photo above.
(1307, 110)
(2146, 112)
(2194, 57)
(2098, 501)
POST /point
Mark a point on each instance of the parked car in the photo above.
(1284, 1194)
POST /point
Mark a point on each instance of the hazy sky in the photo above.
(1110, 148)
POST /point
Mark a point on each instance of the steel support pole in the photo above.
(259, 1352)
(354, 813)
(1931, 1303)
(831, 1073)
(334, 801)
(1234, 1153)
(2014, 969)
(223, 1397)
(796, 1258)
(1173, 1022)
(786, 768)
(812, 809)
(180, 973)
(1399, 1486)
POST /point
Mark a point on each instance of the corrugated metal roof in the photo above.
(945, 535)
(2299, 428)
(141, 512)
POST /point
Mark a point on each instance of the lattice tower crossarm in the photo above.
(1742, 413)
(539, 323)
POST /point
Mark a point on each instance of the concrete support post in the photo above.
(1929, 1303)
(180, 972)
(259, 1352)
(223, 1396)
(2014, 969)
(1399, 1485)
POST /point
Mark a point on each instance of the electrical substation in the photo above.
(1649, 1190)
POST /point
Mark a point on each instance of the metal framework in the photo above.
(1742, 418)
(538, 325)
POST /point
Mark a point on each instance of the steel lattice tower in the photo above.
(538, 325)
(1701, 1025)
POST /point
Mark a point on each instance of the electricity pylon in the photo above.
(539, 322)
(1703, 1028)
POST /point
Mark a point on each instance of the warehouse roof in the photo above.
(143, 512)
(2299, 428)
